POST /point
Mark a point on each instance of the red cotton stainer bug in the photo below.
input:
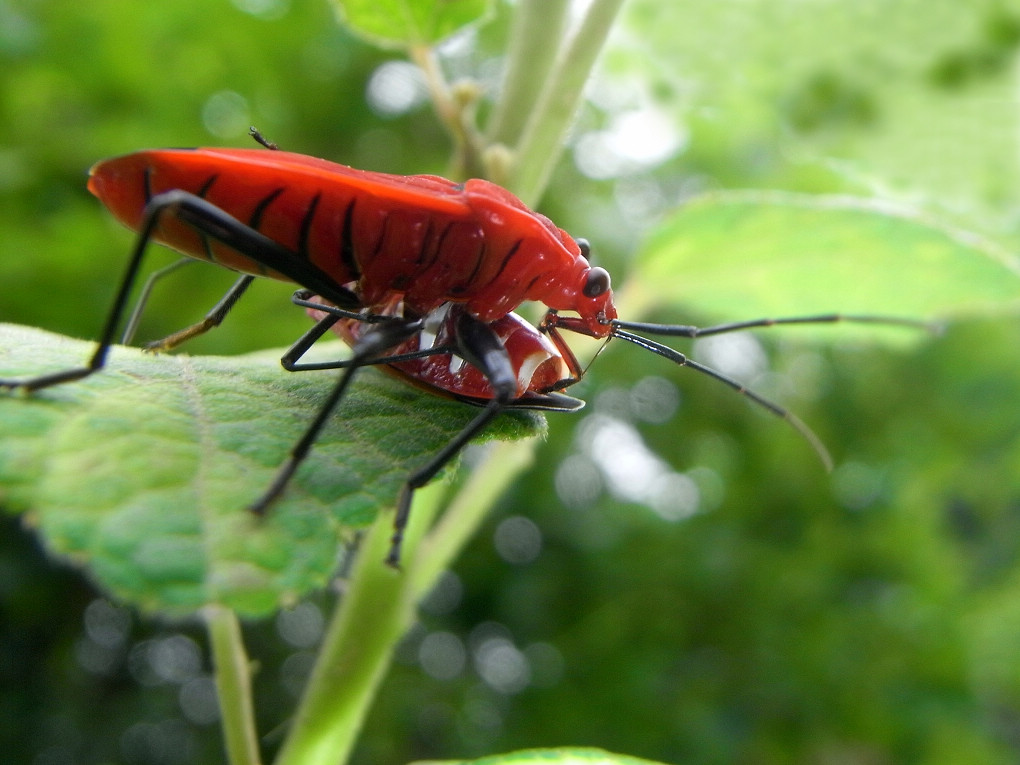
(415, 272)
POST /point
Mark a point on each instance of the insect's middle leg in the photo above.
(212, 319)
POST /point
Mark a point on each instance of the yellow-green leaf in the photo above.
(406, 23)
(747, 255)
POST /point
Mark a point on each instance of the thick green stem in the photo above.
(376, 608)
(233, 686)
(535, 38)
(542, 142)
(379, 605)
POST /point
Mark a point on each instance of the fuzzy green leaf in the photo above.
(141, 473)
(752, 255)
(406, 23)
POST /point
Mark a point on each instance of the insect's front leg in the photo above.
(481, 347)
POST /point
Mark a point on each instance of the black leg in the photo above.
(98, 358)
(428, 471)
(303, 298)
(482, 348)
(290, 359)
(213, 222)
(211, 320)
(143, 297)
(373, 344)
(296, 351)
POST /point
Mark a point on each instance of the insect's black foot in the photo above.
(259, 508)
(32, 384)
(393, 557)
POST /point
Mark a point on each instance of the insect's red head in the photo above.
(586, 290)
(595, 302)
(594, 295)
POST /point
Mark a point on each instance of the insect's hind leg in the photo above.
(106, 338)
(213, 222)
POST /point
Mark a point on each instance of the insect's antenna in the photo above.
(689, 330)
(255, 133)
(682, 360)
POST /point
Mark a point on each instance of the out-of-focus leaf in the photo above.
(910, 100)
(403, 23)
(585, 756)
(737, 256)
(141, 473)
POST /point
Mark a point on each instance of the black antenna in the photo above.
(682, 360)
(626, 330)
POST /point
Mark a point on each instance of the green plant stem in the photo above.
(542, 141)
(462, 517)
(535, 37)
(452, 112)
(379, 605)
(233, 685)
(442, 99)
(375, 610)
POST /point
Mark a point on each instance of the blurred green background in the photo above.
(676, 578)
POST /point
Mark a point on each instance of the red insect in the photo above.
(416, 272)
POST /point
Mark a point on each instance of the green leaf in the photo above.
(749, 255)
(407, 23)
(141, 473)
(561, 756)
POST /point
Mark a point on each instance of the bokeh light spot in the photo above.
(442, 655)
(226, 114)
(395, 88)
(518, 540)
(301, 626)
(264, 9)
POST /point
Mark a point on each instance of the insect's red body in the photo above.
(423, 238)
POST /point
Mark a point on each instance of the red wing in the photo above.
(421, 191)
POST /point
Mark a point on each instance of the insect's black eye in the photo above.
(585, 248)
(597, 283)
